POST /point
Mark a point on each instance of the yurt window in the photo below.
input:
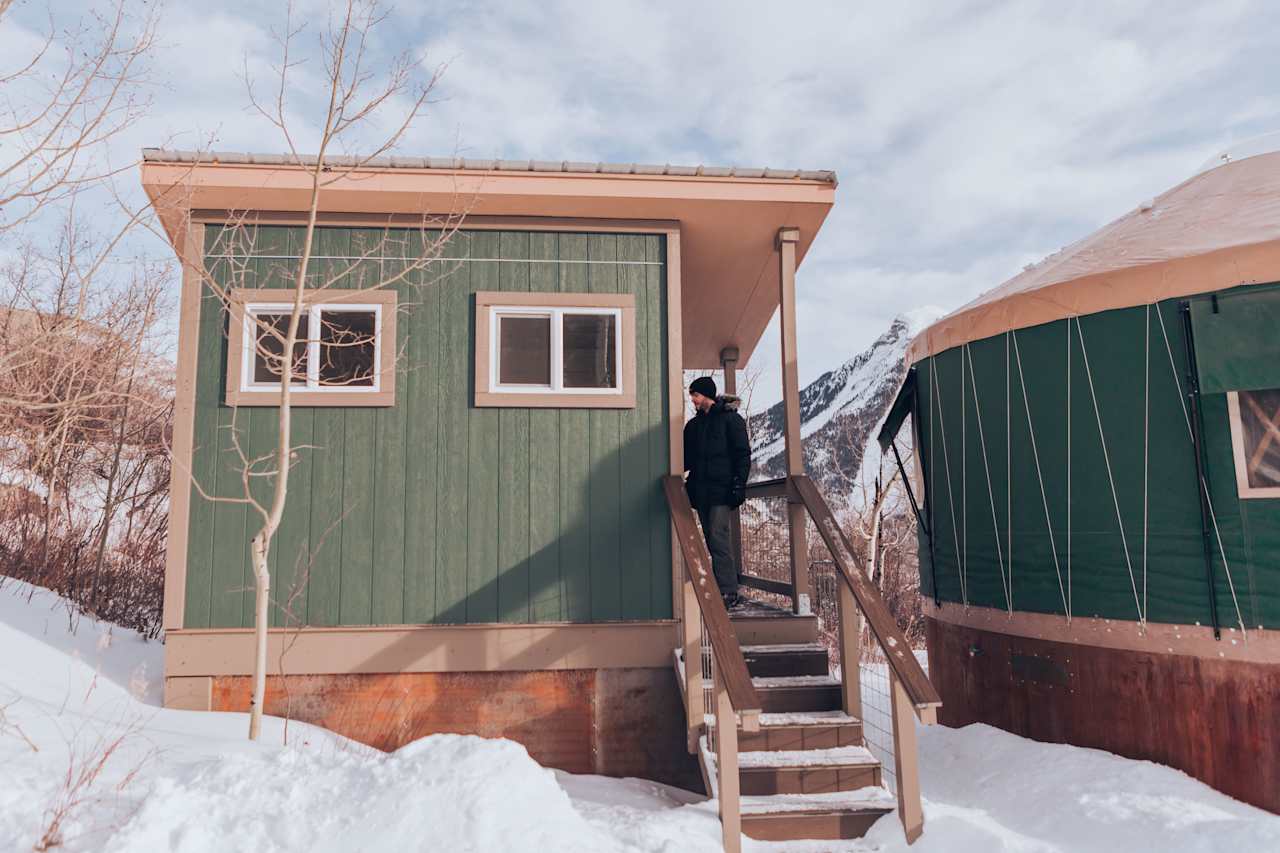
(1255, 439)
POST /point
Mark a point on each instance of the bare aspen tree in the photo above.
(64, 103)
(359, 96)
(78, 90)
(80, 375)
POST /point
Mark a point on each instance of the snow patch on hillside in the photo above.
(189, 781)
(842, 410)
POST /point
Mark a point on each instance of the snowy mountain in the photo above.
(839, 412)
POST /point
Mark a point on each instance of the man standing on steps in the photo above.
(717, 457)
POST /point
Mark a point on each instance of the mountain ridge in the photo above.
(839, 411)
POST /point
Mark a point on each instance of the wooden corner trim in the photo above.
(484, 396)
(389, 352)
(175, 560)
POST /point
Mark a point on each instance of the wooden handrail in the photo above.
(777, 488)
(724, 642)
(897, 651)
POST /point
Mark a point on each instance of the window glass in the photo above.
(1260, 419)
(590, 351)
(524, 350)
(347, 348)
(269, 332)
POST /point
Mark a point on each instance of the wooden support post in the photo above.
(796, 517)
(691, 643)
(729, 364)
(850, 649)
(727, 767)
(906, 761)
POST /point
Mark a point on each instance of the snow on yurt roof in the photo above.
(1216, 230)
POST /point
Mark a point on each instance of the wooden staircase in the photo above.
(804, 772)
(780, 742)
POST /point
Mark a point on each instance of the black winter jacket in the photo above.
(716, 453)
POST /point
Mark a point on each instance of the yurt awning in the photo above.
(1216, 230)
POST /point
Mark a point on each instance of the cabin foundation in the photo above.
(612, 722)
(1214, 719)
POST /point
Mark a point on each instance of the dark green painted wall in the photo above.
(973, 429)
(432, 510)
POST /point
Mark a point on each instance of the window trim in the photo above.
(1243, 489)
(241, 390)
(491, 305)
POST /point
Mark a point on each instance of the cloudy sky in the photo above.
(970, 138)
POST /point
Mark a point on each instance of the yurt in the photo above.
(1098, 455)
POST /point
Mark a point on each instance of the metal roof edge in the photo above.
(161, 155)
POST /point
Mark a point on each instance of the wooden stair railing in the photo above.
(910, 689)
(704, 618)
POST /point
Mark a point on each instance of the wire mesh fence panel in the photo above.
(877, 712)
(766, 549)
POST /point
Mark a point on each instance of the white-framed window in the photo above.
(1255, 441)
(555, 350)
(337, 348)
(344, 354)
(548, 350)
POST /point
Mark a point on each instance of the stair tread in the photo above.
(769, 648)
(767, 681)
(840, 756)
(782, 720)
(864, 799)
(754, 609)
(808, 718)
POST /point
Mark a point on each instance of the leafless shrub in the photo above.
(84, 402)
(85, 409)
(80, 788)
(9, 726)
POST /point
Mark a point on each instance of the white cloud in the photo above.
(970, 137)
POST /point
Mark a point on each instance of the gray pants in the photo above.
(717, 527)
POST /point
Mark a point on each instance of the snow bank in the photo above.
(447, 792)
(187, 781)
(988, 790)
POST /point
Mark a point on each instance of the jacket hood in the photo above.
(728, 402)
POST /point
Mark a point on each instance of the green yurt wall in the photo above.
(1060, 469)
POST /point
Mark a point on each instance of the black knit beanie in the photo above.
(704, 385)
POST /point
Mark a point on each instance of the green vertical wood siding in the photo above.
(432, 510)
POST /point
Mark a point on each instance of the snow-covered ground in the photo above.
(177, 780)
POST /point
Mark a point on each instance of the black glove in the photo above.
(737, 493)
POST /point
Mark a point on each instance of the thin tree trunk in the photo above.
(109, 507)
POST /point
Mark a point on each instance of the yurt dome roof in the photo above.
(1218, 229)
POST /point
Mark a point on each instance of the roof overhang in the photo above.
(729, 267)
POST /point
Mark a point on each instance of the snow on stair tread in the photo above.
(778, 681)
(798, 718)
(808, 718)
(767, 681)
(871, 797)
(840, 756)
